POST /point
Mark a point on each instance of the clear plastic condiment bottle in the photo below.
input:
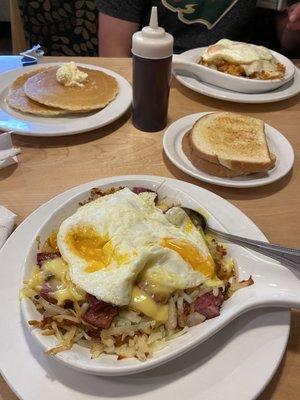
(152, 50)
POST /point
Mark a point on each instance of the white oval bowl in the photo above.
(187, 62)
(274, 286)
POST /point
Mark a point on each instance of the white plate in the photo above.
(31, 125)
(247, 352)
(278, 144)
(189, 62)
(288, 90)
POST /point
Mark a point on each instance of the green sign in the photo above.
(207, 12)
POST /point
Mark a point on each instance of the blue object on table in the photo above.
(28, 57)
(10, 62)
(28, 61)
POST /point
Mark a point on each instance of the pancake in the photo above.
(18, 100)
(96, 93)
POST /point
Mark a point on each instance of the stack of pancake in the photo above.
(38, 92)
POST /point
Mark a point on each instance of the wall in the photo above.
(4, 10)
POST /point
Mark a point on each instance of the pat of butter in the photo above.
(70, 75)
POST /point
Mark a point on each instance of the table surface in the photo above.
(48, 166)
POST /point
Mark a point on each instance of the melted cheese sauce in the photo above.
(142, 302)
(58, 270)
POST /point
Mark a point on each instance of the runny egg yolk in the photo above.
(191, 255)
(90, 246)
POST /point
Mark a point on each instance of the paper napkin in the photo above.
(7, 221)
(33, 55)
(8, 153)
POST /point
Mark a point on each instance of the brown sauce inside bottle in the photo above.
(151, 87)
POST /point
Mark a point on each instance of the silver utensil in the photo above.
(287, 256)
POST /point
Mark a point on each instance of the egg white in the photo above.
(135, 228)
(237, 52)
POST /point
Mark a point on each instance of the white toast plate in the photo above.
(274, 286)
(278, 144)
(189, 80)
(32, 125)
(247, 352)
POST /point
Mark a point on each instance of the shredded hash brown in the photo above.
(238, 70)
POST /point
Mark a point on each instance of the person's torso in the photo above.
(197, 23)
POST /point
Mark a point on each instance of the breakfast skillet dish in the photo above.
(242, 60)
(126, 273)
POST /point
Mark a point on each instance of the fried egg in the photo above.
(251, 57)
(123, 240)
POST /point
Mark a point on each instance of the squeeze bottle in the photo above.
(152, 50)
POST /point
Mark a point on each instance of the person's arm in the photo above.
(288, 29)
(115, 36)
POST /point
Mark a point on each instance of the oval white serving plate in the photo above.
(34, 125)
(287, 91)
(188, 62)
(261, 333)
(274, 286)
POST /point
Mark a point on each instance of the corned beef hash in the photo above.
(126, 273)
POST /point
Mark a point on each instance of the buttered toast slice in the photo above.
(235, 141)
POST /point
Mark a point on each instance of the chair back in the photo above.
(17, 30)
(61, 27)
